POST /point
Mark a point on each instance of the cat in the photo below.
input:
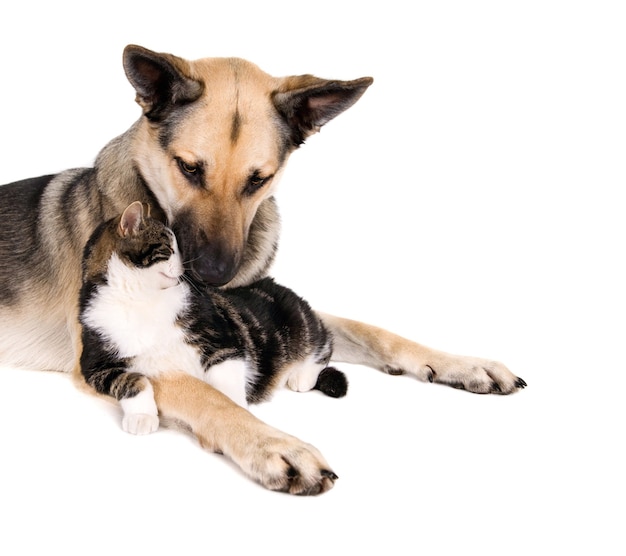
(141, 316)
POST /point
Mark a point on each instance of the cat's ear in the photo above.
(132, 219)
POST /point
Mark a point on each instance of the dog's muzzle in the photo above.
(215, 265)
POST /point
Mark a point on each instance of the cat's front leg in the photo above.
(132, 390)
(273, 458)
(356, 342)
(140, 411)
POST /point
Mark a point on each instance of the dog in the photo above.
(207, 152)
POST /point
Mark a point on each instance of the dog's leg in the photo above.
(356, 342)
(276, 460)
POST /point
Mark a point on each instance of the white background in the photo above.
(471, 200)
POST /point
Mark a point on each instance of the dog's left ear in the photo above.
(307, 102)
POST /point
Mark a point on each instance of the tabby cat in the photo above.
(142, 316)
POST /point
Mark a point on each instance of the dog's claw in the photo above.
(431, 374)
(296, 484)
(394, 371)
(520, 383)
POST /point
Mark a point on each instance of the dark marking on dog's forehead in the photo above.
(235, 129)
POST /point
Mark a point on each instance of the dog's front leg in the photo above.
(356, 342)
(276, 460)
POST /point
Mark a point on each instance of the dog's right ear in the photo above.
(162, 81)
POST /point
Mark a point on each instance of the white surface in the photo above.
(471, 201)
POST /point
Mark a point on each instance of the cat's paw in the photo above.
(140, 423)
(303, 375)
(141, 415)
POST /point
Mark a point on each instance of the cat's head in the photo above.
(135, 248)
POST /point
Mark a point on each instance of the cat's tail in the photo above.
(332, 382)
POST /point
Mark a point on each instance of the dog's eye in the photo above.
(187, 168)
(193, 172)
(255, 182)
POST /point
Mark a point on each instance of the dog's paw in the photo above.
(289, 465)
(283, 463)
(140, 423)
(473, 374)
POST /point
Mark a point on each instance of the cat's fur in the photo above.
(140, 318)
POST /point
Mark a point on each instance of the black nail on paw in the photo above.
(393, 371)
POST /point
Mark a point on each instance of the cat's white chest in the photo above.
(141, 323)
(133, 322)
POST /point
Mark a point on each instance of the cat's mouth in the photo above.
(169, 281)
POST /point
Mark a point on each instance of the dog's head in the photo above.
(213, 141)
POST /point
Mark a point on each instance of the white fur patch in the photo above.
(229, 377)
(302, 376)
(140, 412)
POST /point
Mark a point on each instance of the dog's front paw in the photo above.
(290, 465)
(283, 463)
(473, 374)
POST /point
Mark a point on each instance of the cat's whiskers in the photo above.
(185, 278)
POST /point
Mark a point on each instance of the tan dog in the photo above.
(208, 150)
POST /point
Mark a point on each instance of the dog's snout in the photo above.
(215, 265)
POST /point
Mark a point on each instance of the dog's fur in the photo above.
(208, 150)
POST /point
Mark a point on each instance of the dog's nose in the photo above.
(215, 265)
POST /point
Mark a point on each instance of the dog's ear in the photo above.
(131, 220)
(162, 81)
(307, 102)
